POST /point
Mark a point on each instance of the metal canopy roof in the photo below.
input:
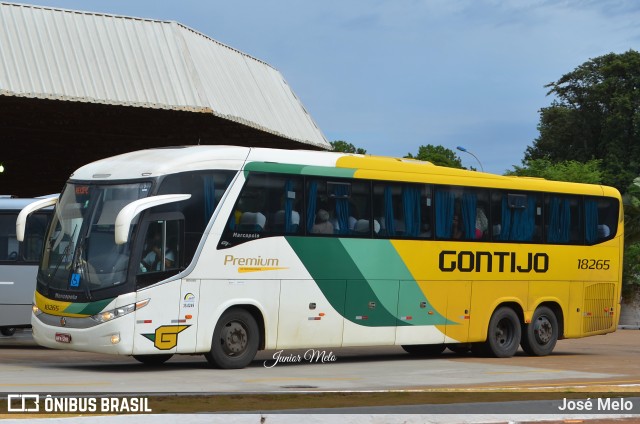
(58, 54)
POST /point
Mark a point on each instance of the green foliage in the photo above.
(570, 170)
(343, 146)
(595, 115)
(631, 271)
(438, 155)
(631, 201)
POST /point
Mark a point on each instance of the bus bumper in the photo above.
(110, 337)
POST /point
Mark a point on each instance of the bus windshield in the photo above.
(80, 253)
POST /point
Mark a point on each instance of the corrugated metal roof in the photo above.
(89, 57)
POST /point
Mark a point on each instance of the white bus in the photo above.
(224, 251)
(19, 262)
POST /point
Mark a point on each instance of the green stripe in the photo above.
(324, 171)
(375, 287)
(90, 308)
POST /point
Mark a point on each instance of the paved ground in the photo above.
(601, 364)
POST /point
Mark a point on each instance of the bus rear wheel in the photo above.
(235, 340)
(540, 336)
(424, 350)
(503, 336)
(153, 359)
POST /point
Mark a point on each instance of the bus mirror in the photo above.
(129, 212)
(21, 222)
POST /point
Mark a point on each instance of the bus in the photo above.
(19, 262)
(261, 249)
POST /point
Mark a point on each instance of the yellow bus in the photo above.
(224, 251)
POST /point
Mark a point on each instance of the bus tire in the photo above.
(540, 336)
(153, 359)
(235, 340)
(424, 349)
(503, 335)
(7, 331)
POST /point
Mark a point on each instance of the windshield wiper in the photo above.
(81, 267)
(65, 253)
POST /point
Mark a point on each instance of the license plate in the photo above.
(63, 338)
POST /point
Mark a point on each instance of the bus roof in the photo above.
(18, 203)
(162, 161)
(168, 160)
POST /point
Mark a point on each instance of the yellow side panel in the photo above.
(454, 298)
(573, 318)
(487, 295)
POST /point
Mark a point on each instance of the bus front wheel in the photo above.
(504, 333)
(540, 336)
(235, 340)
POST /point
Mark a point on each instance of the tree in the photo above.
(631, 267)
(343, 146)
(571, 170)
(596, 115)
(631, 201)
(438, 155)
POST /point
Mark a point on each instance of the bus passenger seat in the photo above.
(252, 222)
(362, 226)
(278, 221)
(603, 231)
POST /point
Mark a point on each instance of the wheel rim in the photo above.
(234, 338)
(504, 332)
(543, 330)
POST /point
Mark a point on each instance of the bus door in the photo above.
(370, 312)
(311, 313)
(162, 323)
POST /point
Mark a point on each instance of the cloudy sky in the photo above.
(392, 75)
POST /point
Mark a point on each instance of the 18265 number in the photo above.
(593, 263)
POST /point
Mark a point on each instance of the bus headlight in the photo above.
(36, 311)
(119, 312)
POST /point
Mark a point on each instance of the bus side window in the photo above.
(360, 223)
(563, 221)
(601, 219)
(316, 209)
(461, 213)
(475, 210)
(162, 250)
(9, 246)
(388, 209)
(34, 237)
(516, 216)
(284, 200)
(402, 210)
(445, 199)
(251, 205)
